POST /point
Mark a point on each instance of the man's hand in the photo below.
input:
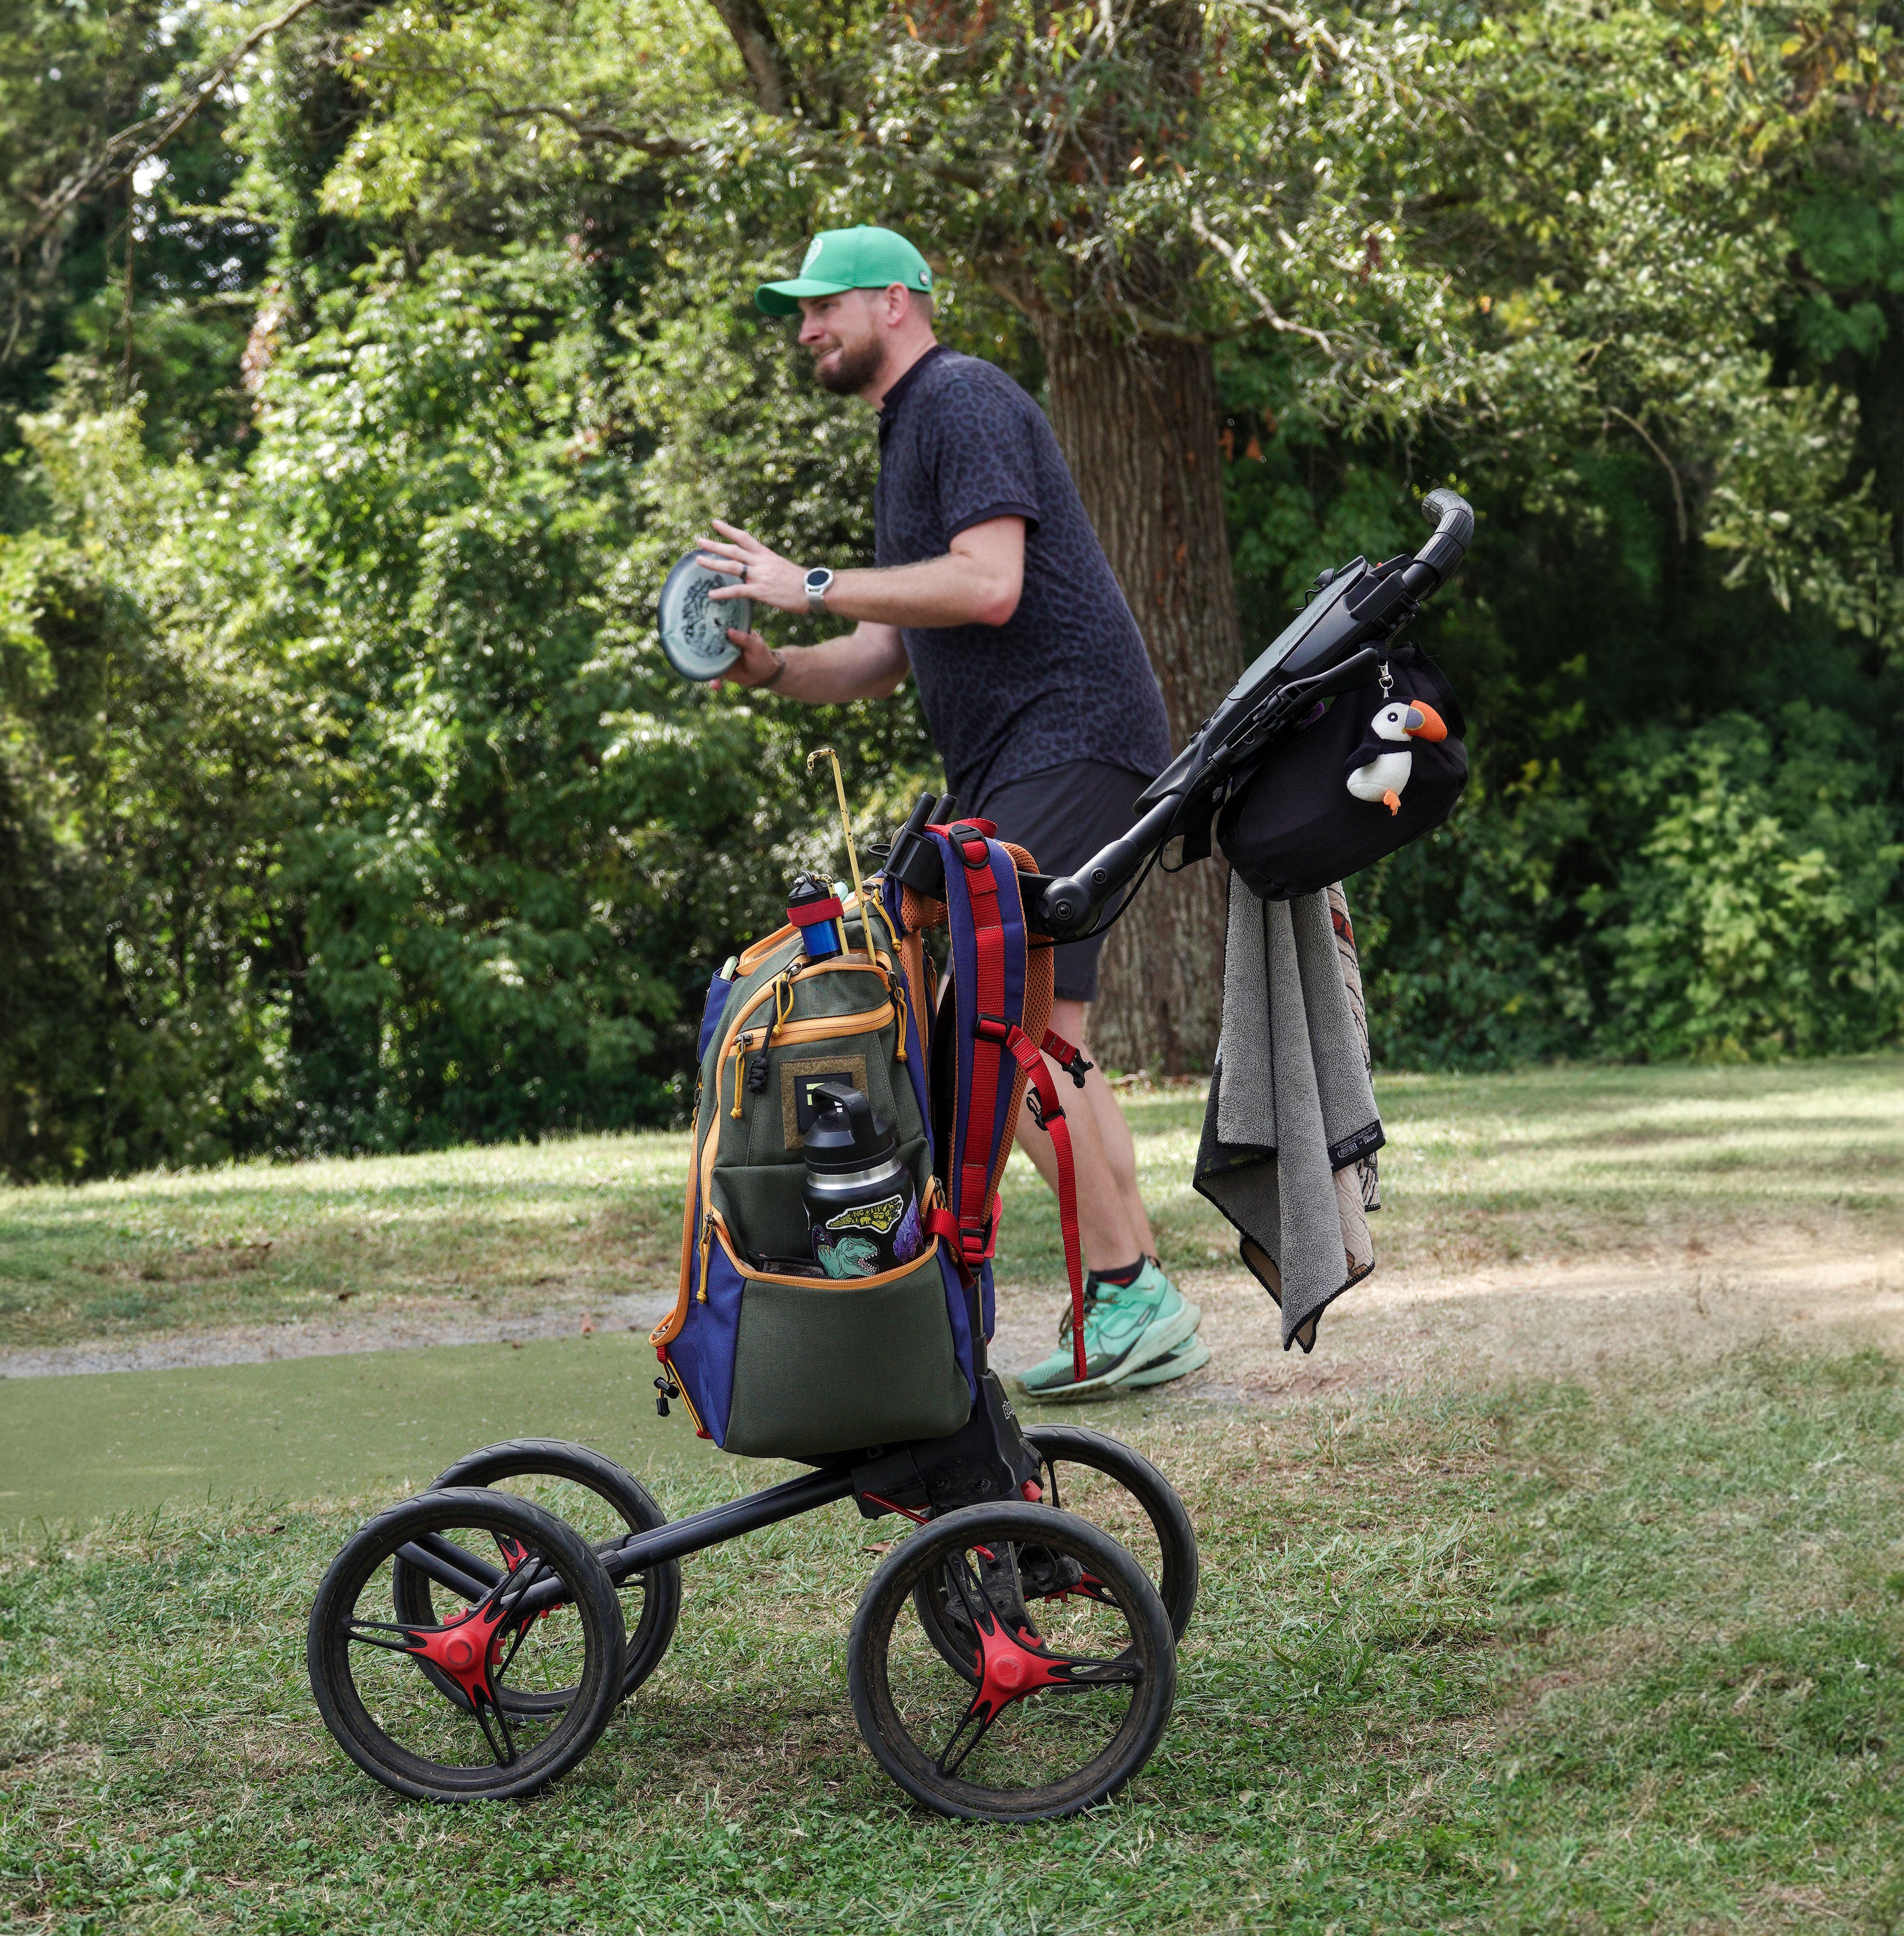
(771, 580)
(757, 664)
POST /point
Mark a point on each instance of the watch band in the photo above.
(779, 666)
(818, 582)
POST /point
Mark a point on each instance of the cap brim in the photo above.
(784, 298)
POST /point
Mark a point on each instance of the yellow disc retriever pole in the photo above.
(813, 759)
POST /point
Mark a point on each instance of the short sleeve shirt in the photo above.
(1066, 676)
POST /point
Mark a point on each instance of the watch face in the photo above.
(817, 582)
(693, 629)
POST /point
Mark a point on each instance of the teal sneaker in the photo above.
(1126, 1327)
(1190, 1356)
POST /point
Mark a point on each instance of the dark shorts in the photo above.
(1062, 816)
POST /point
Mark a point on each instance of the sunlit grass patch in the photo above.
(1556, 1163)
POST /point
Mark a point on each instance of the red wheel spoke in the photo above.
(403, 1640)
(985, 1714)
(1122, 1672)
(516, 1639)
(505, 1755)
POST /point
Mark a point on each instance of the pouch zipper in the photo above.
(748, 1270)
(741, 1042)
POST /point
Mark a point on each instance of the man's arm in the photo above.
(869, 663)
(977, 583)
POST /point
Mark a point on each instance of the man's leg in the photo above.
(1138, 1328)
(1116, 1230)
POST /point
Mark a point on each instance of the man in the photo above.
(992, 591)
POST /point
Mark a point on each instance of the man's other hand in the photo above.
(771, 580)
(757, 664)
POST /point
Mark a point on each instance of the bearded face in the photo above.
(841, 335)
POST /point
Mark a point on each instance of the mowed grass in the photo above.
(1539, 1659)
(1555, 1163)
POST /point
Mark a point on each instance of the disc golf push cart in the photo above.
(1011, 1659)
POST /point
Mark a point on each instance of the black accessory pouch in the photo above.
(1293, 826)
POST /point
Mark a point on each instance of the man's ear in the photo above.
(899, 303)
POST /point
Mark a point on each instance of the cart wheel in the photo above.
(589, 1492)
(1101, 1479)
(1061, 1703)
(455, 1732)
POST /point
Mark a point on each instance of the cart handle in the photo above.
(1318, 649)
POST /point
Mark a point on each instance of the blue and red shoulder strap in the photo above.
(1001, 982)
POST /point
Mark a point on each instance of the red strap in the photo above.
(1051, 1114)
(812, 913)
(988, 941)
(970, 1248)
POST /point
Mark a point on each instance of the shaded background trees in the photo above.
(343, 801)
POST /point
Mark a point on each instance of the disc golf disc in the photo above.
(693, 627)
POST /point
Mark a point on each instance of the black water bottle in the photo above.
(860, 1203)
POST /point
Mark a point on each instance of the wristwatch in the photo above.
(819, 582)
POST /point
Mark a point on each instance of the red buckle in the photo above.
(1070, 1060)
(993, 1028)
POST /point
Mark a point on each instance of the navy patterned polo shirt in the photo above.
(1066, 676)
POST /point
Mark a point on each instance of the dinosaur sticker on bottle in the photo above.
(861, 1205)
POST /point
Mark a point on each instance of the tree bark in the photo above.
(1138, 422)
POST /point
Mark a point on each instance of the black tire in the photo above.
(1172, 1564)
(426, 1737)
(976, 1743)
(620, 1495)
(1126, 1496)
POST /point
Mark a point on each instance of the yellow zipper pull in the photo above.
(896, 990)
(707, 1239)
(741, 1041)
(783, 1008)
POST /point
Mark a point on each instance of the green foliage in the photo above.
(1760, 916)
(343, 801)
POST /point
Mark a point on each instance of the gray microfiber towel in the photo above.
(1291, 1129)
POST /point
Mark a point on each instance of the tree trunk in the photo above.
(1138, 423)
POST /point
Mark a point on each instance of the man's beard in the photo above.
(853, 372)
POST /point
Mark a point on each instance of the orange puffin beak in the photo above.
(1424, 722)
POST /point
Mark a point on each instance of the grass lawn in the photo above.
(1479, 1170)
(1499, 1656)
(1538, 1659)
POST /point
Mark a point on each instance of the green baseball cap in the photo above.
(839, 259)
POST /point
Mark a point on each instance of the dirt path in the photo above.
(1536, 1320)
(265, 1344)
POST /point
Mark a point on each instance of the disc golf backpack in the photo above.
(774, 1363)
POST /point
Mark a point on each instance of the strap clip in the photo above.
(1070, 1060)
(970, 840)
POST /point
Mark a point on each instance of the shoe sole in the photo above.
(1188, 1357)
(1156, 1343)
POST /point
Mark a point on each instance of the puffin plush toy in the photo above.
(1379, 767)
